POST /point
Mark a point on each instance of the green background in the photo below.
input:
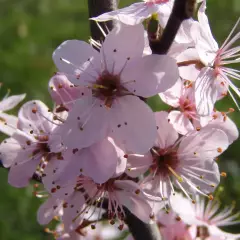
(29, 32)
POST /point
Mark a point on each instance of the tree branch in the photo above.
(182, 10)
(141, 230)
(96, 8)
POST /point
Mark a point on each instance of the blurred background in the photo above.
(30, 30)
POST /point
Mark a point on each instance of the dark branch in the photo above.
(141, 230)
(182, 10)
(96, 8)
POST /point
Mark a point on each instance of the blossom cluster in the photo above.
(102, 149)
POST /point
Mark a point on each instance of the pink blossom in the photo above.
(214, 77)
(171, 227)
(114, 108)
(181, 96)
(206, 218)
(187, 163)
(64, 93)
(119, 193)
(138, 12)
(8, 123)
(32, 143)
(101, 232)
(100, 162)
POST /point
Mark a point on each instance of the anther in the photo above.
(112, 222)
(223, 174)
(178, 219)
(137, 191)
(75, 150)
(34, 110)
(219, 150)
(152, 216)
(120, 227)
(210, 197)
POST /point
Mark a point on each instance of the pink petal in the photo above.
(183, 207)
(180, 122)
(11, 102)
(73, 58)
(48, 210)
(204, 145)
(138, 164)
(225, 124)
(206, 92)
(131, 15)
(209, 181)
(159, 71)
(135, 203)
(191, 71)
(64, 92)
(121, 158)
(167, 136)
(20, 175)
(99, 161)
(217, 232)
(9, 150)
(205, 27)
(116, 52)
(173, 94)
(8, 123)
(133, 124)
(75, 204)
(86, 124)
(34, 115)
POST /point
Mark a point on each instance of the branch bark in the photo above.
(182, 10)
(95, 8)
(141, 230)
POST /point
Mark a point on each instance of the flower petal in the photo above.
(167, 136)
(136, 203)
(9, 150)
(133, 124)
(11, 102)
(173, 94)
(86, 124)
(74, 57)
(117, 52)
(99, 161)
(206, 92)
(131, 15)
(8, 123)
(20, 175)
(159, 72)
(138, 164)
(180, 122)
(34, 115)
(204, 145)
(48, 210)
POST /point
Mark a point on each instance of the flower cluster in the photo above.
(103, 152)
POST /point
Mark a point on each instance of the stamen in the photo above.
(180, 179)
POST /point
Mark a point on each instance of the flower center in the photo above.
(108, 87)
(165, 162)
(187, 107)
